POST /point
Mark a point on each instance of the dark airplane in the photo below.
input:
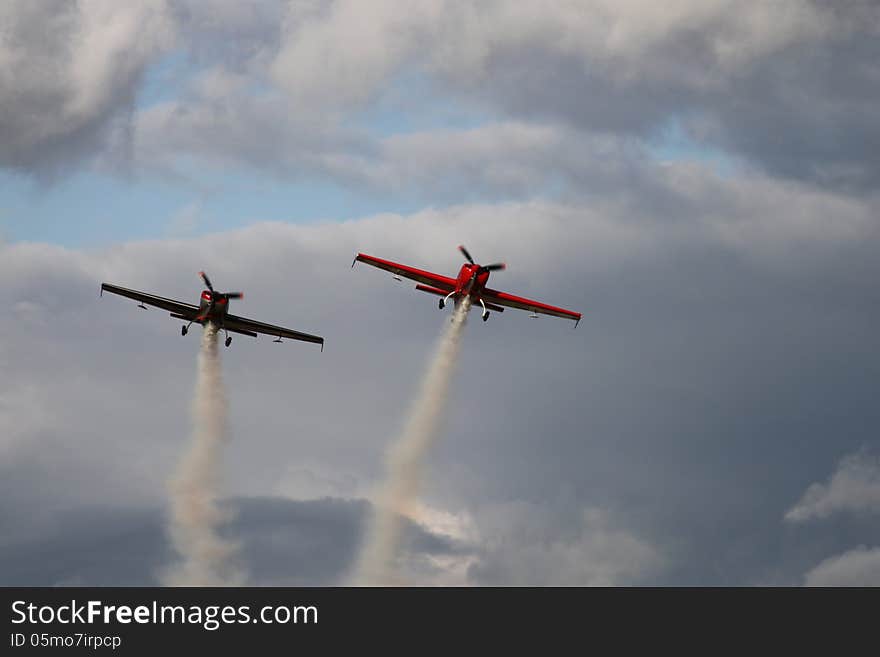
(214, 308)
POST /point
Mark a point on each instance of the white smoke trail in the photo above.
(195, 514)
(398, 495)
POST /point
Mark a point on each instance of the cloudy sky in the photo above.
(697, 177)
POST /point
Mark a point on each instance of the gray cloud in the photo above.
(727, 354)
(789, 87)
(693, 404)
(850, 494)
(523, 548)
(69, 74)
(233, 35)
(284, 542)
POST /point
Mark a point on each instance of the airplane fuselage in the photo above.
(470, 283)
(212, 310)
(467, 283)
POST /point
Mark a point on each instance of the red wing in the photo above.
(504, 299)
(420, 275)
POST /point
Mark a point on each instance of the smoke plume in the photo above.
(195, 514)
(398, 495)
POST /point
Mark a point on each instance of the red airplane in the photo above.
(214, 308)
(471, 281)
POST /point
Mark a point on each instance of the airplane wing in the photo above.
(250, 326)
(185, 310)
(504, 299)
(420, 275)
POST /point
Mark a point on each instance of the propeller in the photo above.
(219, 295)
(483, 268)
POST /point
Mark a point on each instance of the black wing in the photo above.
(242, 324)
(185, 310)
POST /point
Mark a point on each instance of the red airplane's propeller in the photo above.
(466, 254)
(483, 268)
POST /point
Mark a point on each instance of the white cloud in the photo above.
(854, 487)
(525, 544)
(450, 567)
(857, 567)
(343, 55)
(186, 220)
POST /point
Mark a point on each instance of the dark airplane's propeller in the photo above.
(219, 295)
(483, 268)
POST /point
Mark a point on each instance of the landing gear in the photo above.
(183, 329)
(228, 340)
(485, 312)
